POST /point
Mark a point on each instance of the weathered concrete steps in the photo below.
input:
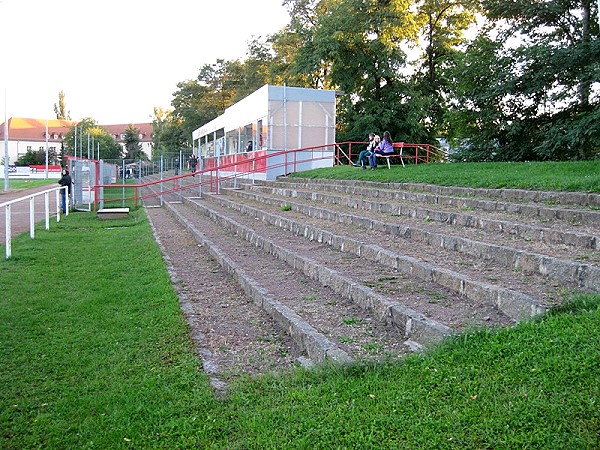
(416, 273)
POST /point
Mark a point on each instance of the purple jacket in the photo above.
(386, 147)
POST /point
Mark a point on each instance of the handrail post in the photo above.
(57, 198)
(68, 200)
(8, 231)
(32, 217)
(47, 209)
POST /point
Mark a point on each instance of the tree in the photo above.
(133, 147)
(109, 147)
(256, 68)
(61, 109)
(169, 134)
(443, 24)
(543, 95)
(31, 157)
(356, 46)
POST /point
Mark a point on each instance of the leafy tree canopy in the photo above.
(526, 87)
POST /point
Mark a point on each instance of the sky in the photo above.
(115, 60)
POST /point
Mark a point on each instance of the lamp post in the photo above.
(46, 149)
(5, 145)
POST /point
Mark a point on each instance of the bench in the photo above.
(113, 213)
(399, 145)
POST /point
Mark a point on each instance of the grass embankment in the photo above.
(95, 354)
(548, 176)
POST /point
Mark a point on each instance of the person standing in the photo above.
(193, 162)
(65, 180)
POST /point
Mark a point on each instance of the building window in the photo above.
(29, 148)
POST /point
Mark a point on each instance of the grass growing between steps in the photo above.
(95, 354)
(576, 176)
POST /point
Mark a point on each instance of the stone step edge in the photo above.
(562, 271)
(515, 305)
(412, 324)
(315, 344)
(524, 231)
(591, 218)
(508, 194)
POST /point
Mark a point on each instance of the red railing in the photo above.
(231, 168)
(236, 166)
(411, 153)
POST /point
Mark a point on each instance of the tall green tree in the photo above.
(61, 109)
(543, 96)
(443, 24)
(358, 47)
(256, 67)
(133, 147)
(169, 133)
(110, 149)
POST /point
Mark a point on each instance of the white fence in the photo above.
(32, 197)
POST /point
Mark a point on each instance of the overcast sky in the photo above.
(116, 60)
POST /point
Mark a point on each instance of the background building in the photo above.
(30, 134)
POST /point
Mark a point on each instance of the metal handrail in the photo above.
(31, 197)
(213, 175)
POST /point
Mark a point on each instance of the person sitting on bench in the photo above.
(386, 148)
(363, 157)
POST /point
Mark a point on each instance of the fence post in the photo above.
(161, 178)
(99, 194)
(57, 199)
(47, 209)
(8, 231)
(32, 218)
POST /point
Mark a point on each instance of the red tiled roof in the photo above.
(20, 128)
(24, 129)
(146, 130)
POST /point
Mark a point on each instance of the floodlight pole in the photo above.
(46, 149)
(5, 145)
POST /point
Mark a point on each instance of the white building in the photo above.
(26, 134)
(270, 120)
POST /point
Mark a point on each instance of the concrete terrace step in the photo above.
(411, 324)
(275, 300)
(376, 247)
(556, 235)
(567, 272)
(579, 212)
(514, 304)
(571, 199)
(316, 345)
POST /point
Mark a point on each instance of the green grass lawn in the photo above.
(14, 184)
(95, 354)
(560, 176)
